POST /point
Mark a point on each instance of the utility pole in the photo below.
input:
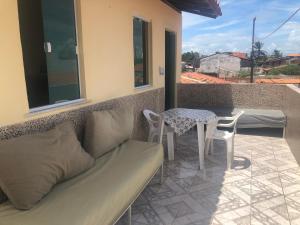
(252, 52)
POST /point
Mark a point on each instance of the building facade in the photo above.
(104, 32)
(221, 65)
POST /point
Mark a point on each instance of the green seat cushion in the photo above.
(98, 196)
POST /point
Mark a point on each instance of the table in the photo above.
(182, 120)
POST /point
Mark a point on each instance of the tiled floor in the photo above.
(262, 188)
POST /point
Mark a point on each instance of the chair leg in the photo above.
(207, 148)
(170, 140)
(161, 174)
(229, 146)
(129, 212)
(212, 147)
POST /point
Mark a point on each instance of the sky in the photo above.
(233, 30)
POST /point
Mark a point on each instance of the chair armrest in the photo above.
(225, 118)
(226, 125)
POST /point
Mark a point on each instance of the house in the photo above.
(275, 62)
(223, 64)
(62, 59)
(294, 59)
(68, 61)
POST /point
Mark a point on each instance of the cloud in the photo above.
(227, 24)
(190, 20)
(208, 43)
(232, 31)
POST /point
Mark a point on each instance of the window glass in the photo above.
(140, 43)
(48, 35)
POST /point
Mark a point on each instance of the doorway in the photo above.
(170, 70)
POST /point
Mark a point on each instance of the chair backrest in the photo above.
(156, 126)
(210, 129)
(233, 121)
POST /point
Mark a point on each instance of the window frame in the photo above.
(82, 98)
(146, 48)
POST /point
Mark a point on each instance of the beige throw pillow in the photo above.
(105, 130)
(31, 165)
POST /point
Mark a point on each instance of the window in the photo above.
(48, 36)
(141, 52)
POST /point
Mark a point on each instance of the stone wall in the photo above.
(153, 100)
(292, 111)
(231, 95)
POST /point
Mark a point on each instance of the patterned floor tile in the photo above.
(262, 188)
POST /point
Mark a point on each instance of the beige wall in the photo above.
(105, 34)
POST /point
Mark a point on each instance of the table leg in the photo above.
(201, 142)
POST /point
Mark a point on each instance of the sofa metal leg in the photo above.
(161, 174)
(129, 215)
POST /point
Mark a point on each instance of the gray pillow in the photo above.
(105, 130)
(31, 165)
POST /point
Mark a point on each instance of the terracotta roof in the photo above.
(278, 81)
(294, 55)
(240, 55)
(198, 78)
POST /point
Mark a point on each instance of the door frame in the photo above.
(175, 63)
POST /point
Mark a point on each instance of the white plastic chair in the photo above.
(155, 131)
(213, 133)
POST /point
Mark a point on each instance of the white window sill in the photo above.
(48, 108)
(148, 86)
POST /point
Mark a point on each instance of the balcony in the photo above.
(263, 186)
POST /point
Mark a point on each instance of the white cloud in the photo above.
(216, 27)
(209, 43)
(226, 2)
(190, 20)
(287, 39)
(270, 14)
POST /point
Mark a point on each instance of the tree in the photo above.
(260, 56)
(277, 53)
(190, 57)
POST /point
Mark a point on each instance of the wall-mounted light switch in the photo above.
(161, 71)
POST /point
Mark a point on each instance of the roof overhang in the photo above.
(208, 8)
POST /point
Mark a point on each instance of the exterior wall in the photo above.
(231, 95)
(106, 47)
(153, 100)
(292, 111)
(223, 63)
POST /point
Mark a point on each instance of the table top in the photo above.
(182, 120)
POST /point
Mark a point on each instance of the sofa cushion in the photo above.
(261, 118)
(31, 165)
(105, 130)
(98, 196)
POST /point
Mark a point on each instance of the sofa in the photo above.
(100, 195)
(255, 118)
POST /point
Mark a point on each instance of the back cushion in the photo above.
(105, 130)
(31, 165)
